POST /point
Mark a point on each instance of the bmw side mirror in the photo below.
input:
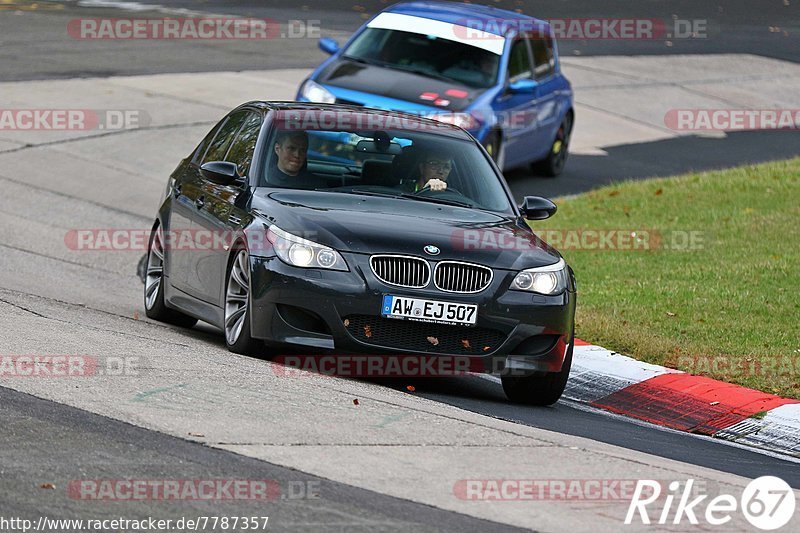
(537, 208)
(328, 45)
(523, 86)
(221, 173)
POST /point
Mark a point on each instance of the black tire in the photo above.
(553, 164)
(154, 305)
(542, 388)
(238, 339)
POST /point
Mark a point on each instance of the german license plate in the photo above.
(406, 308)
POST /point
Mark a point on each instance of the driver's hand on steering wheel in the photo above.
(436, 184)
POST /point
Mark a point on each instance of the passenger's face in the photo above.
(435, 167)
(291, 154)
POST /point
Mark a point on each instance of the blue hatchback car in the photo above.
(493, 72)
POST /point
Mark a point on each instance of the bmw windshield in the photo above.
(381, 155)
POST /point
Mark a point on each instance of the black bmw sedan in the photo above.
(338, 230)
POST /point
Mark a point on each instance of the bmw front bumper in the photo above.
(321, 312)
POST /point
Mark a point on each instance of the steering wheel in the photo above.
(454, 193)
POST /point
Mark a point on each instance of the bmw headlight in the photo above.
(314, 92)
(549, 280)
(299, 252)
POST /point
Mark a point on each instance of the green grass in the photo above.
(728, 308)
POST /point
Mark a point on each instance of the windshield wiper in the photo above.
(434, 200)
(423, 72)
(371, 193)
(366, 61)
(409, 196)
(414, 70)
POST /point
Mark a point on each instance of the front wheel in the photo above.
(237, 306)
(553, 164)
(542, 388)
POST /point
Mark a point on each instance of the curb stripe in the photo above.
(685, 402)
(778, 430)
(690, 403)
(597, 373)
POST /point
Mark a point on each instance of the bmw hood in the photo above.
(417, 89)
(369, 225)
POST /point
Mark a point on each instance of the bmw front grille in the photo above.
(401, 270)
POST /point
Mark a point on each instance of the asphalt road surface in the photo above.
(193, 411)
(54, 443)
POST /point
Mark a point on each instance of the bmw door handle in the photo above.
(200, 202)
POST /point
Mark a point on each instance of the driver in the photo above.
(432, 172)
(290, 171)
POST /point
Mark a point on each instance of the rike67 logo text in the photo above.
(767, 503)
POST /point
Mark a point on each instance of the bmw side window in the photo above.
(242, 148)
(202, 148)
(222, 142)
(519, 63)
(543, 58)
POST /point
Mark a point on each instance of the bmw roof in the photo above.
(326, 109)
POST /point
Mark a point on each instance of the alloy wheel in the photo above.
(155, 269)
(237, 297)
